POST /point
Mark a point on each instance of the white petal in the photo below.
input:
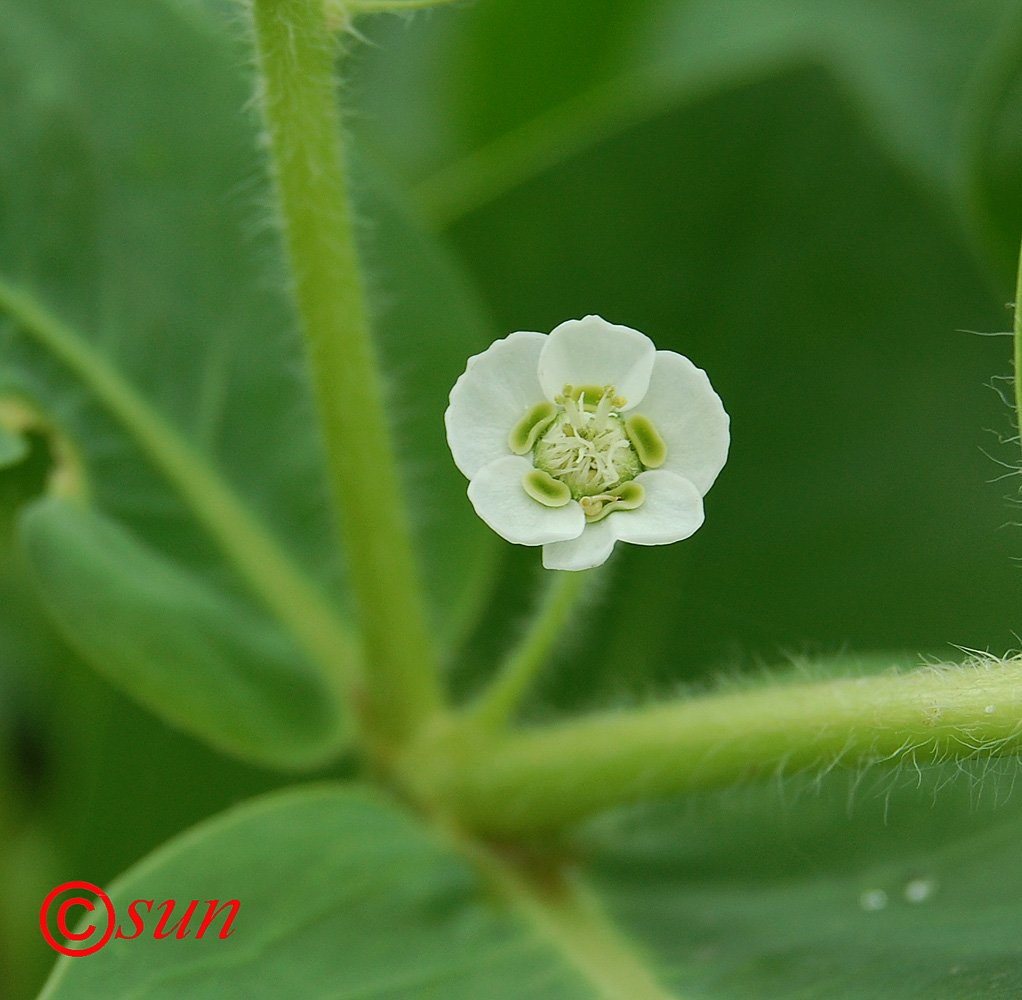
(592, 351)
(592, 548)
(492, 395)
(690, 418)
(499, 498)
(672, 510)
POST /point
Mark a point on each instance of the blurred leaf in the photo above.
(109, 757)
(908, 68)
(177, 645)
(993, 129)
(92, 754)
(857, 889)
(341, 894)
(733, 895)
(13, 448)
(131, 202)
(27, 873)
(507, 101)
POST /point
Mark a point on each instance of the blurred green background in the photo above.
(815, 200)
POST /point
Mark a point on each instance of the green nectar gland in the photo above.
(583, 450)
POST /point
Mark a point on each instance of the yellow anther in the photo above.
(627, 496)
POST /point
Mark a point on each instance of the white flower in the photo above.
(584, 437)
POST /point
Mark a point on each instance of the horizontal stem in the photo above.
(267, 570)
(542, 779)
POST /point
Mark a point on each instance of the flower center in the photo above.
(583, 450)
(586, 446)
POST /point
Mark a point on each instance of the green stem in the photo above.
(295, 56)
(1017, 327)
(563, 910)
(528, 782)
(291, 597)
(499, 702)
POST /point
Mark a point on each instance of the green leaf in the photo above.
(729, 896)
(909, 69)
(516, 99)
(995, 152)
(855, 888)
(132, 204)
(13, 448)
(341, 894)
(177, 645)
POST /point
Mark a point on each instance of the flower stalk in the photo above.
(295, 54)
(503, 697)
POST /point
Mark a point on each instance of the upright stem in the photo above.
(498, 702)
(1017, 327)
(295, 56)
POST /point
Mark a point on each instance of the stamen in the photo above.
(590, 395)
(573, 412)
(604, 407)
(587, 448)
(627, 496)
(630, 495)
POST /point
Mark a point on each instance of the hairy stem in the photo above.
(498, 703)
(533, 781)
(295, 57)
(1017, 328)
